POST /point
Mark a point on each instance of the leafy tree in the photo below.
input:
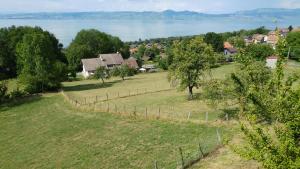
(74, 55)
(10, 37)
(125, 71)
(293, 42)
(191, 59)
(39, 67)
(237, 42)
(162, 62)
(216, 40)
(275, 103)
(269, 112)
(102, 73)
(259, 51)
(290, 28)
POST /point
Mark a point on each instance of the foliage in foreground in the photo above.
(269, 109)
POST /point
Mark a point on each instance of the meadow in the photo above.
(46, 131)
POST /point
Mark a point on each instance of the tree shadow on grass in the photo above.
(20, 101)
(91, 86)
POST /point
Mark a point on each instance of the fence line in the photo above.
(146, 112)
(116, 95)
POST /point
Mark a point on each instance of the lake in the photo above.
(130, 30)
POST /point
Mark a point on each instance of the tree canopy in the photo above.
(191, 59)
(259, 51)
(9, 39)
(293, 42)
(39, 66)
(216, 40)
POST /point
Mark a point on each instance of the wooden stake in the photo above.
(181, 155)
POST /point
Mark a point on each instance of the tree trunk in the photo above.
(102, 80)
(190, 92)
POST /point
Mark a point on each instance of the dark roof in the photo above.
(103, 60)
(232, 50)
(112, 59)
(92, 64)
(131, 62)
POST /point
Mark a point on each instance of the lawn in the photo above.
(47, 132)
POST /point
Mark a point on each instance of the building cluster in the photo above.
(271, 38)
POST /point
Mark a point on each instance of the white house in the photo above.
(271, 62)
(109, 61)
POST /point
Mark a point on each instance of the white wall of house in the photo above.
(271, 63)
(85, 73)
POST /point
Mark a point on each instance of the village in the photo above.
(148, 63)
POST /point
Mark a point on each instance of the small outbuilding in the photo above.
(271, 62)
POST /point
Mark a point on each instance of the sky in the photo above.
(206, 6)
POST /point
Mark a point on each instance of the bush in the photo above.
(17, 93)
(3, 91)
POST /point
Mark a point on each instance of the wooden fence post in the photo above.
(155, 165)
(108, 107)
(134, 112)
(189, 115)
(200, 151)
(227, 118)
(219, 137)
(146, 112)
(181, 156)
(158, 112)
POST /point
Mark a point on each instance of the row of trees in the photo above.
(34, 56)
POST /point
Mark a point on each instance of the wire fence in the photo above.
(187, 159)
(149, 112)
(117, 95)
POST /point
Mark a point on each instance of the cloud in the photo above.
(209, 6)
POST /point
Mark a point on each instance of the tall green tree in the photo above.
(216, 40)
(293, 45)
(191, 59)
(9, 39)
(39, 67)
(259, 51)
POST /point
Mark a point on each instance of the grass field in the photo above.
(46, 132)
(171, 103)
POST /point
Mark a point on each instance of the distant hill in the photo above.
(275, 13)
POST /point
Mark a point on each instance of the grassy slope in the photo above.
(47, 133)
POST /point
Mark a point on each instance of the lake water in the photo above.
(131, 30)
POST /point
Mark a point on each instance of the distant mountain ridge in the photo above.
(278, 13)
